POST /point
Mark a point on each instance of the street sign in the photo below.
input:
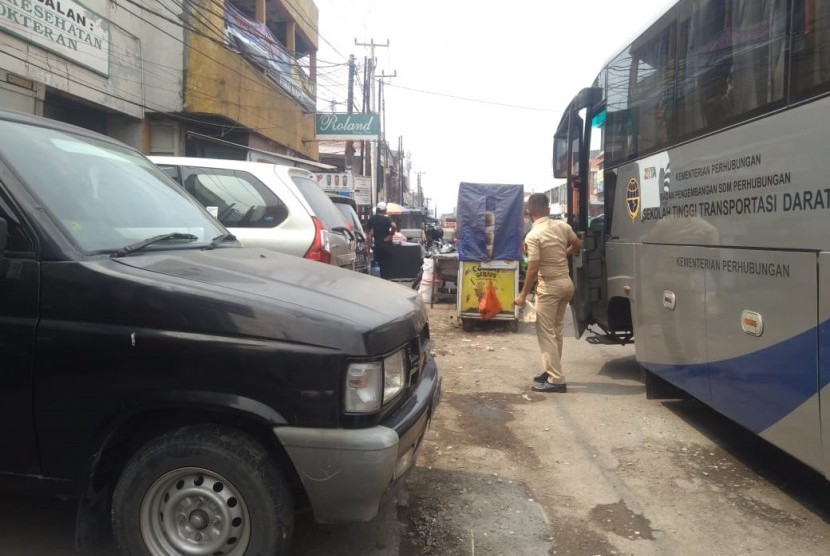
(359, 127)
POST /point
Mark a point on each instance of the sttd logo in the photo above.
(632, 198)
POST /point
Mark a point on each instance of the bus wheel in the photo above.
(199, 491)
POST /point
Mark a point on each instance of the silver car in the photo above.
(267, 205)
(347, 208)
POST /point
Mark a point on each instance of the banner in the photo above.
(489, 221)
(363, 190)
(259, 46)
(66, 28)
(476, 277)
(335, 181)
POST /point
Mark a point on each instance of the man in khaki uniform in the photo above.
(548, 244)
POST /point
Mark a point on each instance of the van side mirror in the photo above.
(4, 234)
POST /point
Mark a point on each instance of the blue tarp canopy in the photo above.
(489, 208)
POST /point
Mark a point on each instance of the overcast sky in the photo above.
(481, 84)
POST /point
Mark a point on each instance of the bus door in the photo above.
(577, 151)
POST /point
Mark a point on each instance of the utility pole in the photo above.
(382, 147)
(349, 110)
(363, 146)
(369, 83)
(400, 168)
(420, 190)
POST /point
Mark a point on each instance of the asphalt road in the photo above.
(599, 470)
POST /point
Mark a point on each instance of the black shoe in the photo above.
(541, 378)
(549, 388)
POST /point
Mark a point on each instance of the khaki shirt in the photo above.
(546, 242)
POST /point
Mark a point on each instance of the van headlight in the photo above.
(394, 373)
(371, 384)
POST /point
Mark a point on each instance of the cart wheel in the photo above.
(514, 326)
(466, 325)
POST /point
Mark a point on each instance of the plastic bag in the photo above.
(489, 305)
(527, 314)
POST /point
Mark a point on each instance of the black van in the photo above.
(192, 391)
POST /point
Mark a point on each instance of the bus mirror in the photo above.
(560, 157)
(588, 98)
(560, 147)
(567, 142)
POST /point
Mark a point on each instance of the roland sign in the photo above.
(347, 126)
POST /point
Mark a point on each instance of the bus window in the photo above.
(619, 142)
(596, 184)
(703, 67)
(811, 48)
(652, 87)
(577, 202)
(731, 60)
(759, 46)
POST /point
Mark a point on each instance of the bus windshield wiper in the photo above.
(139, 245)
(220, 239)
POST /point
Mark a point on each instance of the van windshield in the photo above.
(104, 197)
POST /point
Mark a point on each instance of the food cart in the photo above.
(489, 232)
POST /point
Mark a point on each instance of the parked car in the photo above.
(348, 208)
(188, 390)
(267, 205)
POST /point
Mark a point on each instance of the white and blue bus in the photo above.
(711, 134)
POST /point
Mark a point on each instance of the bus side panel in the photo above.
(670, 315)
(766, 378)
(753, 186)
(824, 355)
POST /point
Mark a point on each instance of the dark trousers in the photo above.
(382, 252)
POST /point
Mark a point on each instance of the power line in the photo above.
(470, 99)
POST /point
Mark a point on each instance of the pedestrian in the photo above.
(548, 245)
(397, 236)
(379, 234)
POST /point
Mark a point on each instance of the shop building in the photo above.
(217, 78)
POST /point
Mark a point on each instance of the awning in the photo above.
(395, 208)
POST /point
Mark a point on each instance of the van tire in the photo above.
(209, 489)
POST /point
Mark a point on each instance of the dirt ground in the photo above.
(597, 471)
(506, 471)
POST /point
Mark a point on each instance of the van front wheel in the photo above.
(200, 491)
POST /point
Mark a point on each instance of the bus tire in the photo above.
(202, 490)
